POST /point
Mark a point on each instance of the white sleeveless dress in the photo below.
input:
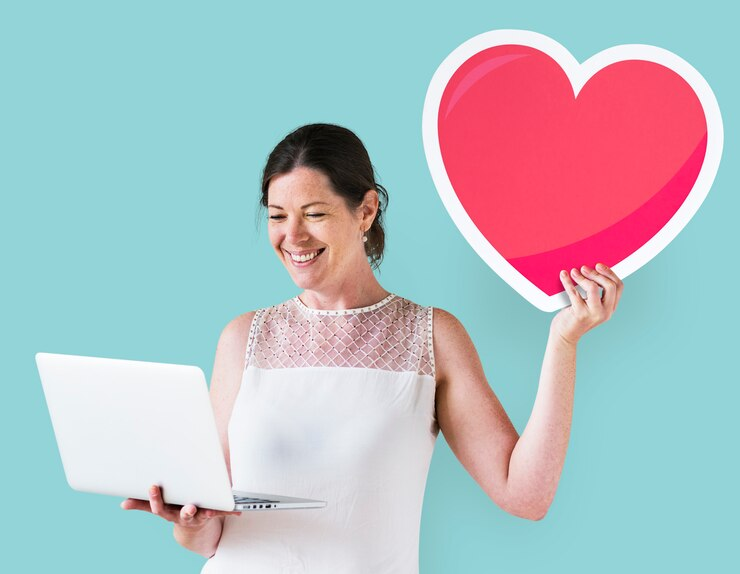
(336, 406)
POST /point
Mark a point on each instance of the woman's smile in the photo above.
(303, 258)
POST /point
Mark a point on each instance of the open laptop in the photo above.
(122, 426)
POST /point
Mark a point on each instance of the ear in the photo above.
(369, 208)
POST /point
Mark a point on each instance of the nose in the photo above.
(296, 232)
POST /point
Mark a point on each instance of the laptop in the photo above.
(122, 426)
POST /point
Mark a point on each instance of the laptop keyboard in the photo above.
(246, 500)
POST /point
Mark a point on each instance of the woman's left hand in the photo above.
(584, 314)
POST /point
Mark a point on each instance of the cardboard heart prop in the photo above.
(546, 164)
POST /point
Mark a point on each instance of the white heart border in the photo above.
(578, 74)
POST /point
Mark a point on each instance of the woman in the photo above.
(344, 388)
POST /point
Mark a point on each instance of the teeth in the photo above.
(305, 257)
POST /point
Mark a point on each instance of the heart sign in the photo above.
(546, 164)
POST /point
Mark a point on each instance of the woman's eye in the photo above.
(276, 217)
(314, 214)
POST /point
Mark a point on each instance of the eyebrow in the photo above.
(302, 206)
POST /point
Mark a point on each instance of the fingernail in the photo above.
(601, 267)
(563, 273)
(586, 269)
(574, 271)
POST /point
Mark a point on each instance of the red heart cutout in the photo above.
(554, 165)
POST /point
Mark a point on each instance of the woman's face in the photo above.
(313, 232)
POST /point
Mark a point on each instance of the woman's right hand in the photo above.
(188, 516)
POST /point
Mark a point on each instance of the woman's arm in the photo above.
(228, 368)
(200, 529)
(519, 473)
(539, 454)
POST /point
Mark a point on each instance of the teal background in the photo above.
(131, 141)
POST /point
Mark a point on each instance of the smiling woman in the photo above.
(339, 393)
(340, 156)
(326, 215)
(318, 236)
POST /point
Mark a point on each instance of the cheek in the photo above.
(275, 238)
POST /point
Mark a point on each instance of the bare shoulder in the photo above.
(445, 323)
(236, 332)
(230, 353)
(453, 348)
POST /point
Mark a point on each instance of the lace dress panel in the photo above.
(393, 335)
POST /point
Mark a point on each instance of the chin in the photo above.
(303, 282)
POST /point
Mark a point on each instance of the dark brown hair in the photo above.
(340, 155)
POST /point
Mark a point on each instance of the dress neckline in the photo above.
(372, 307)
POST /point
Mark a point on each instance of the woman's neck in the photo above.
(354, 293)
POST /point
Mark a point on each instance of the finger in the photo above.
(157, 504)
(576, 300)
(601, 268)
(610, 289)
(593, 299)
(213, 513)
(191, 514)
(188, 514)
(167, 511)
(136, 504)
(604, 270)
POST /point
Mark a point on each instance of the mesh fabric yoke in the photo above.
(393, 335)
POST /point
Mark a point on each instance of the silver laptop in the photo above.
(122, 426)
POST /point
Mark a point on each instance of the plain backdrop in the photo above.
(132, 135)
